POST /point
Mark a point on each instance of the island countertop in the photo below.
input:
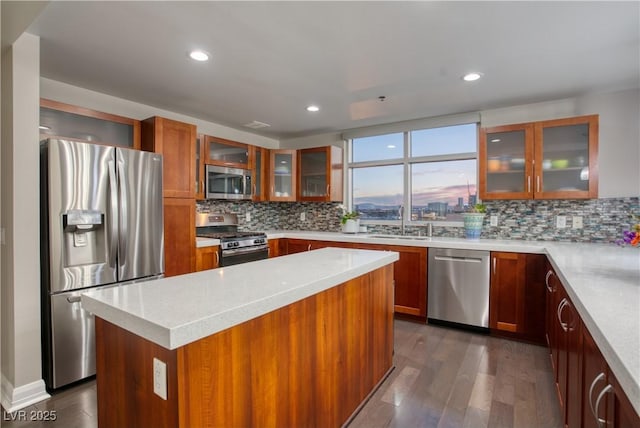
(175, 311)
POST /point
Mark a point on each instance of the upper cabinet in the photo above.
(555, 159)
(282, 175)
(176, 142)
(219, 151)
(320, 174)
(199, 152)
(259, 166)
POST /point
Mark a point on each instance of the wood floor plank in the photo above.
(501, 415)
(482, 393)
(401, 385)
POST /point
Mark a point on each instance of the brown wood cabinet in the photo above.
(207, 258)
(551, 304)
(621, 413)
(320, 174)
(553, 159)
(517, 296)
(176, 142)
(282, 175)
(277, 247)
(219, 151)
(179, 235)
(409, 272)
(259, 166)
(199, 165)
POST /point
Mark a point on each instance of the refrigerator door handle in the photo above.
(124, 207)
(113, 233)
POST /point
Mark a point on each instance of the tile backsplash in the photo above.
(603, 219)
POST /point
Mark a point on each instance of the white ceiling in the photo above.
(271, 59)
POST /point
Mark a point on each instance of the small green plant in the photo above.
(349, 216)
(478, 208)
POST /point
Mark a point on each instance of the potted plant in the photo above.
(473, 220)
(350, 222)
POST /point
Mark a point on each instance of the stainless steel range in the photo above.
(235, 247)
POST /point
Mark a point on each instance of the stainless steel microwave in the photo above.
(227, 183)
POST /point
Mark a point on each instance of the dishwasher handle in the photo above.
(458, 259)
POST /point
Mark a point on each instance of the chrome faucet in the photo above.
(401, 213)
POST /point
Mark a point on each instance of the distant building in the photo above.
(472, 200)
(439, 208)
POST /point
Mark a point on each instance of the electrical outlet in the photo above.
(577, 222)
(561, 221)
(493, 220)
(303, 216)
(160, 378)
(247, 216)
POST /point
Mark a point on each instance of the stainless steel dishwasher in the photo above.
(458, 288)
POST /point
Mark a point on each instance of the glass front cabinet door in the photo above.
(506, 162)
(566, 152)
(223, 152)
(282, 175)
(320, 174)
(553, 159)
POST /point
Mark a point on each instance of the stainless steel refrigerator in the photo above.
(101, 226)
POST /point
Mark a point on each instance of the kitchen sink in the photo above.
(422, 238)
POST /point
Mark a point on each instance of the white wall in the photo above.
(21, 379)
(69, 94)
(320, 140)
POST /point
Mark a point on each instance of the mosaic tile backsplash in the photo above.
(603, 219)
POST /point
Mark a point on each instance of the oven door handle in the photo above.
(236, 251)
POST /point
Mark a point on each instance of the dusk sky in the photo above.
(431, 182)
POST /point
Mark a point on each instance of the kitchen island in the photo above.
(292, 341)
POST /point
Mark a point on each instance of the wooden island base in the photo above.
(308, 364)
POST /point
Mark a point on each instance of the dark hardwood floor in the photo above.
(442, 378)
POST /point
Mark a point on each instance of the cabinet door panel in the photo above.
(176, 142)
(506, 162)
(566, 151)
(179, 235)
(282, 173)
(507, 292)
(207, 258)
(320, 174)
(219, 151)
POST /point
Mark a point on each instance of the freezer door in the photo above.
(72, 355)
(141, 237)
(78, 224)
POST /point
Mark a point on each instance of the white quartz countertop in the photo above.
(602, 280)
(175, 311)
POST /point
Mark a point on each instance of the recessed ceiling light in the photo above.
(470, 77)
(391, 146)
(44, 127)
(313, 108)
(199, 55)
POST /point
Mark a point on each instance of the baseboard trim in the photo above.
(13, 398)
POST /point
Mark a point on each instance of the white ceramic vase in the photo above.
(351, 226)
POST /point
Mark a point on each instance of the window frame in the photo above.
(407, 161)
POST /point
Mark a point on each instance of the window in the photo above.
(432, 172)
